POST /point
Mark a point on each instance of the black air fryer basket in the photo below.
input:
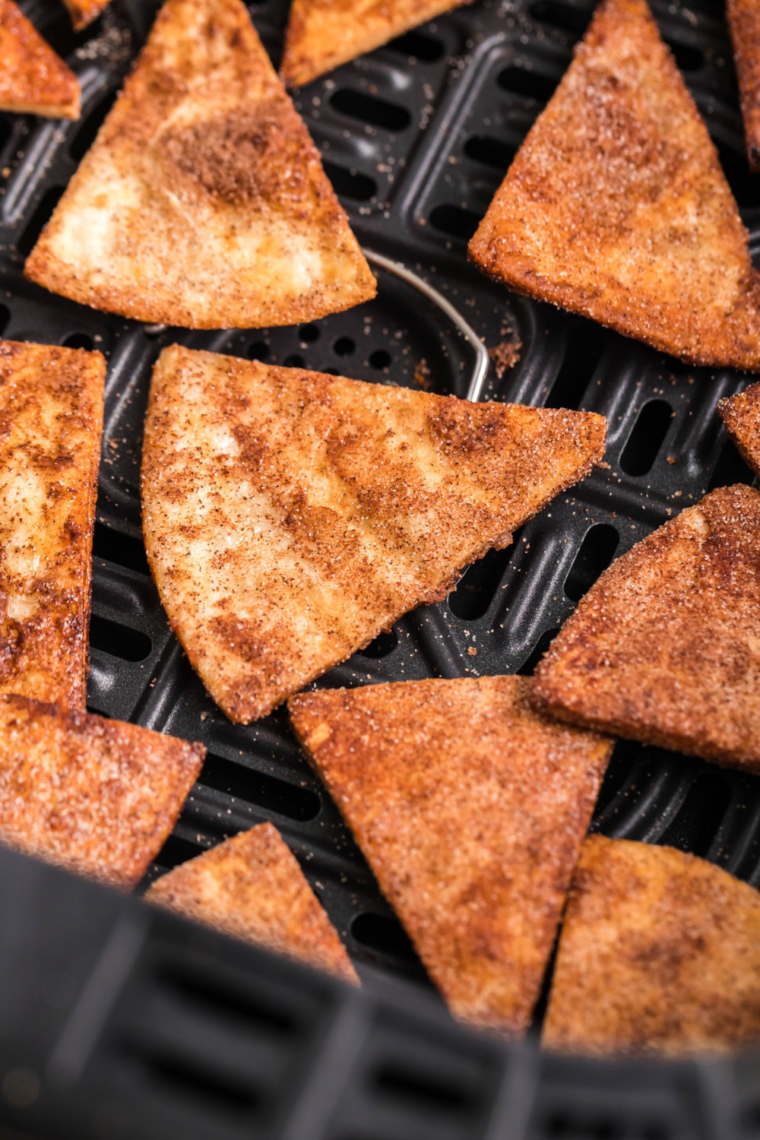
(121, 1022)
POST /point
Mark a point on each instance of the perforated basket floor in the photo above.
(416, 138)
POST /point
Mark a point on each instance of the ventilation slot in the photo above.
(344, 346)
(596, 552)
(212, 997)
(349, 183)
(193, 1081)
(6, 129)
(39, 219)
(688, 57)
(477, 587)
(258, 788)
(257, 351)
(701, 815)
(118, 640)
(380, 359)
(78, 340)
(583, 351)
(455, 221)
(5, 316)
(744, 184)
(120, 548)
(85, 136)
(370, 109)
(730, 469)
(383, 934)
(646, 438)
(569, 17)
(489, 151)
(382, 645)
(528, 667)
(521, 81)
(417, 46)
(308, 334)
(420, 1089)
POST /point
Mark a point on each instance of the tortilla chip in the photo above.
(51, 416)
(203, 202)
(665, 646)
(252, 888)
(741, 415)
(471, 810)
(290, 516)
(93, 795)
(659, 954)
(323, 34)
(744, 22)
(83, 13)
(33, 78)
(616, 206)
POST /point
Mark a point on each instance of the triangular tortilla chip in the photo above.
(616, 206)
(203, 202)
(290, 517)
(659, 953)
(96, 796)
(33, 78)
(744, 22)
(83, 12)
(252, 888)
(470, 809)
(321, 34)
(51, 416)
(741, 415)
(665, 646)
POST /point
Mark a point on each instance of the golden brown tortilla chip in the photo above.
(290, 516)
(471, 810)
(665, 646)
(252, 888)
(203, 202)
(96, 796)
(33, 78)
(659, 953)
(51, 416)
(616, 206)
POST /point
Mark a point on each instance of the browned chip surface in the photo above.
(203, 202)
(741, 415)
(322, 34)
(33, 78)
(290, 516)
(96, 796)
(83, 12)
(744, 22)
(616, 206)
(252, 887)
(51, 415)
(665, 647)
(659, 953)
(470, 809)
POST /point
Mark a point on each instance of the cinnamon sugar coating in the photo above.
(96, 796)
(616, 206)
(659, 954)
(665, 646)
(470, 809)
(291, 516)
(741, 415)
(744, 22)
(252, 888)
(51, 415)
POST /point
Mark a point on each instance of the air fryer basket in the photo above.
(181, 1032)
